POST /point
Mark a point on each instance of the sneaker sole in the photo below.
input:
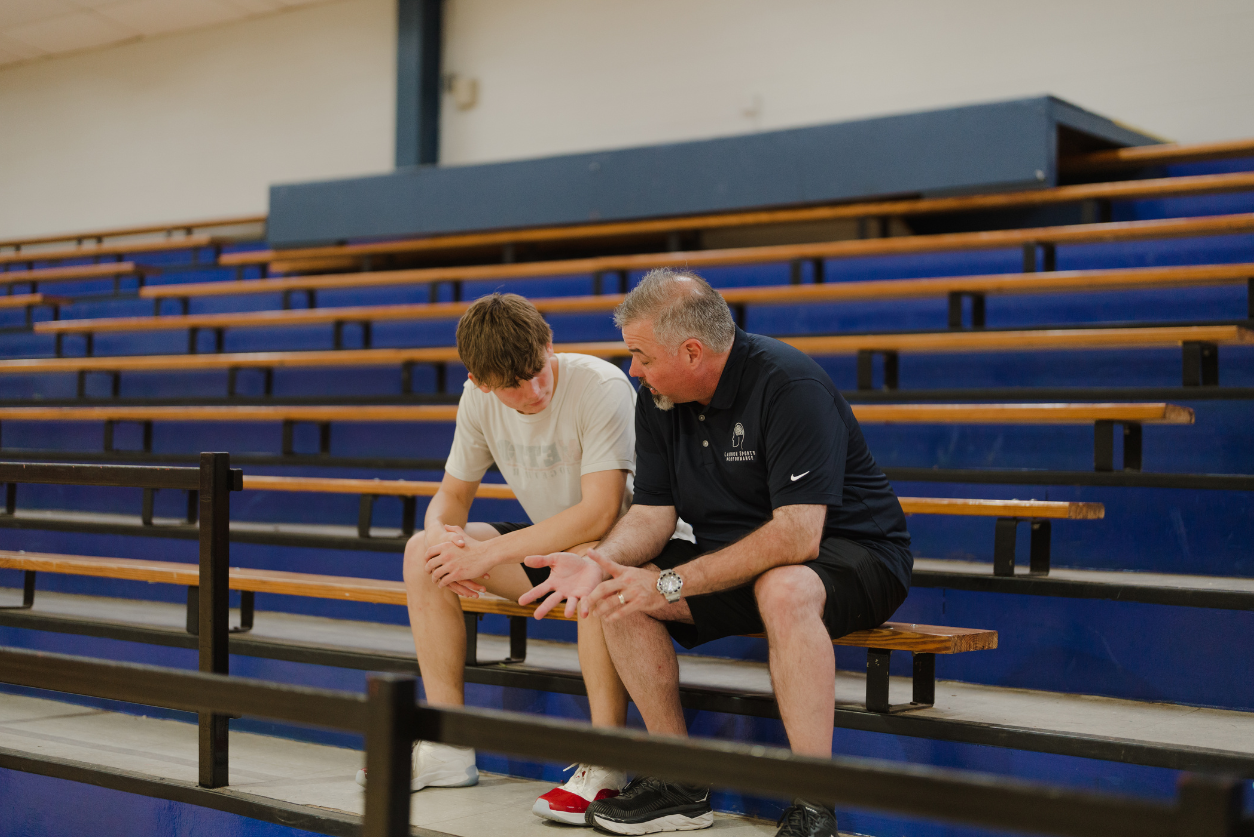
(459, 780)
(541, 809)
(671, 822)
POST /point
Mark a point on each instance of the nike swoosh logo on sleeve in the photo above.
(796, 477)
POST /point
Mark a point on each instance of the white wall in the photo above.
(573, 75)
(197, 125)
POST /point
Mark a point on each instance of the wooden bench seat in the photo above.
(32, 301)
(1154, 155)
(335, 257)
(117, 249)
(1009, 513)
(184, 228)
(954, 288)
(1103, 417)
(1199, 345)
(107, 270)
(1031, 240)
(923, 641)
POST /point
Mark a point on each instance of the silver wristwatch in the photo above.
(669, 584)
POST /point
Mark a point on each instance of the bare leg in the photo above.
(607, 697)
(803, 666)
(435, 617)
(645, 659)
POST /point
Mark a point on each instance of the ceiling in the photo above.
(33, 29)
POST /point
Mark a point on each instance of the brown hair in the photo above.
(502, 339)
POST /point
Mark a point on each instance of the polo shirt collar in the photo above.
(729, 382)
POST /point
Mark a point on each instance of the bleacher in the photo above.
(988, 367)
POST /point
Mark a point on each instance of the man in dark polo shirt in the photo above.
(798, 534)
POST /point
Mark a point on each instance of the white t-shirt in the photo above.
(589, 426)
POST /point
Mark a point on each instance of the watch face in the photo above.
(669, 583)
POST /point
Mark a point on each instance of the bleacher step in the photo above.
(316, 779)
(1209, 733)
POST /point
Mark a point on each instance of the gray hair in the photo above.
(682, 306)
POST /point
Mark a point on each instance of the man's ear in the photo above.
(692, 351)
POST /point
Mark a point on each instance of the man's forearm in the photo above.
(639, 535)
(791, 537)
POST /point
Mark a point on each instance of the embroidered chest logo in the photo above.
(738, 452)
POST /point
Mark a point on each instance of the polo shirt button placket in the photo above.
(705, 444)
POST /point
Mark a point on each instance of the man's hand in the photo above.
(454, 558)
(571, 577)
(627, 590)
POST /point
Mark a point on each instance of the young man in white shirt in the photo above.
(560, 427)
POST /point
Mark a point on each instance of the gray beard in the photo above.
(662, 402)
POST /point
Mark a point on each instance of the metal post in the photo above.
(215, 555)
(471, 621)
(794, 272)
(1103, 445)
(924, 680)
(1004, 546)
(517, 639)
(1131, 446)
(10, 498)
(1029, 257)
(365, 511)
(1209, 806)
(877, 679)
(1201, 364)
(390, 725)
(866, 369)
(409, 514)
(1038, 556)
(1249, 298)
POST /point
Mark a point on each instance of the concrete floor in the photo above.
(310, 775)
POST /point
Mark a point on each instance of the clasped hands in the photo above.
(455, 560)
(593, 585)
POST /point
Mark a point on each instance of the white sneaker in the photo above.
(438, 766)
(569, 803)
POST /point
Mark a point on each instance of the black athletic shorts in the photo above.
(536, 574)
(861, 593)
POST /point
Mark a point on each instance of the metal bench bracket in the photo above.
(517, 640)
(866, 369)
(1104, 445)
(923, 682)
(247, 602)
(1004, 546)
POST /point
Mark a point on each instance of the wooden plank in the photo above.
(1054, 281)
(1042, 509)
(22, 300)
(945, 341)
(1056, 510)
(1148, 413)
(943, 242)
(1026, 340)
(1021, 413)
(319, 257)
(897, 636)
(1155, 155)
(78, 271)
(121, 248)
(118, 232)
(371, 413)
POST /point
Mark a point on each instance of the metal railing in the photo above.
(391, 720)
(213, 483)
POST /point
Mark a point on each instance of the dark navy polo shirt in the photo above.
(776, 433)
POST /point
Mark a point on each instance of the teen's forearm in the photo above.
(792, 536)
(579, 524)
(640, 535)
(444, 510)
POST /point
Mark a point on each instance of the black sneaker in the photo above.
(648, 805)
(803, 819)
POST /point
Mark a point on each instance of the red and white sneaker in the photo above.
(569, 802)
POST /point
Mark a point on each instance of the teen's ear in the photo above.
(481, 387)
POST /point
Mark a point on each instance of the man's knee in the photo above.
(415, 558)
(785, 592)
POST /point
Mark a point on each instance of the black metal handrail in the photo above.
(1205, 807)
(213, 483)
